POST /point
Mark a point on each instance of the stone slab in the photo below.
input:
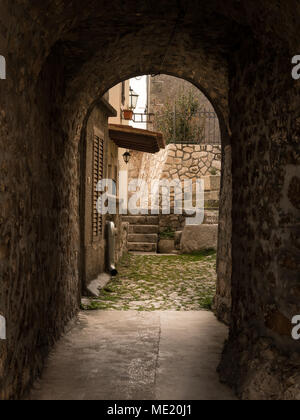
(141, 247)
(143, 229)
(143, 238)
(198, 238)
(212, 183)
(166, 246)
(96, 285)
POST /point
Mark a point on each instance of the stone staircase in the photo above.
(143, 233)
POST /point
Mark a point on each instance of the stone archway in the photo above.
(58, 64)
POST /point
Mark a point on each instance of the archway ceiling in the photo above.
(130, 37)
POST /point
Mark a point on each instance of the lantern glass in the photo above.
(127, 157)
(133, 99)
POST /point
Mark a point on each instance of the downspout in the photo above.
(111, 242)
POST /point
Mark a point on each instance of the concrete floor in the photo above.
(137, 356)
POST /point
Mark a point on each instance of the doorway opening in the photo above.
(166, 258)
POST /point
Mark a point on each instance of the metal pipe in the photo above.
(111, 243)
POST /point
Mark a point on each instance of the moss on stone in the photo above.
(149, 283)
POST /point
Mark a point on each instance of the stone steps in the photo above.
(143, 229)
(142, 220)
(143, 238)
(143, 233)
(142, 247)
(211, 217)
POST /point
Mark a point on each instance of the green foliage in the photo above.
(180, 121)
(155, 282)
(206, 303)
(168, 233)
(212, 205)
(93, 306)
(200, 255)
(213, 172)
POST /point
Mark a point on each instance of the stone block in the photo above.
(212, 196)
(187, 163)
(146, 238)
(141, 247)
(95, 287)
(204, 170)
(182, 171)
(141, 220)
(170, 161)
(215, 183)
(166, 246)
(212, 183)
(198, 238)
(217, 164)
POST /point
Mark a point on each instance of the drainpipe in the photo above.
(111, 242)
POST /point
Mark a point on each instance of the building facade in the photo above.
(103, 160)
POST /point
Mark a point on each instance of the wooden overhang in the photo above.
(109, 110)
(131, 138)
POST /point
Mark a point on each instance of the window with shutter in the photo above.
(98, 156)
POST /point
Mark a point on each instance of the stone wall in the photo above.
(61, 58)
(222, 302)
(261, 358)
(191, 161)
(59, 64)
(182, 162)
(121, 238)
(39, 223)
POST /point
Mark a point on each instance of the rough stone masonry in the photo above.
(61, 58)
(177, 161)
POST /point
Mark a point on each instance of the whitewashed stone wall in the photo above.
(176, 161)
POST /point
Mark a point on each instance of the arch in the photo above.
(59, 64)
(223, 309)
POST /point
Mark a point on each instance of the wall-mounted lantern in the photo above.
(126, 157)
(133, 99)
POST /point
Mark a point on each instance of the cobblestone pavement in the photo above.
(154, 282)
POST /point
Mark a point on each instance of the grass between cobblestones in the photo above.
(158, 283)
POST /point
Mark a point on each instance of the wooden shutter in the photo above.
(98, 156)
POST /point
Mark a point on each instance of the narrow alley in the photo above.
(149, 199)
(137, 356)
(147, 336)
